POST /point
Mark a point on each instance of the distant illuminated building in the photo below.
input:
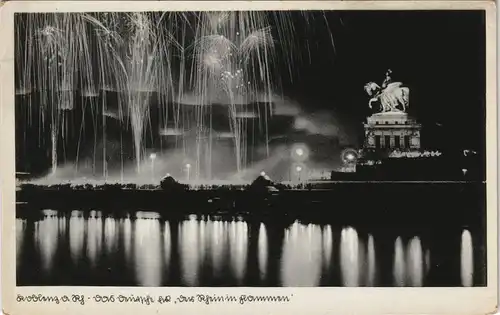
(392, 131)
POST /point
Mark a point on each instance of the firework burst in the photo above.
(224, 58)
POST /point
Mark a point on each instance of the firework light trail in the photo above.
(152, 60)
(224, 53)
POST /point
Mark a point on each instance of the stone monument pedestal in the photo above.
(391, 131)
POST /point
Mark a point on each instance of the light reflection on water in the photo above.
(46, 241)
(148, 256)
(62, 228)
(399, 264)
(110, 235)
(349, 257)
(127, 239)
(201, 251)
(20, 231)
(189, 251)
(218, 244)
(414, 261)
(167, 243)
(76, 235)
(467, 259)
(372, 262)
(427, 260)
(238, 244)
(263, 251)
(410, 266)
(327, 245)
(94, 238)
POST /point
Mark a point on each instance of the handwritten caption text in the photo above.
(151, 300)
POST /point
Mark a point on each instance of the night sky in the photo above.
(439, 55)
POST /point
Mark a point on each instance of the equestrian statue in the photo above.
(392, 96)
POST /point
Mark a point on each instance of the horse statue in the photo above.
(393, 96)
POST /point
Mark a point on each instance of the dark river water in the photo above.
(82, 248)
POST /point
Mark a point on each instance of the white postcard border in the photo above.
(455, 301)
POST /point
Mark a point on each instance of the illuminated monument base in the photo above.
(391, 131)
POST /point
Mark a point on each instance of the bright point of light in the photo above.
(299, 152)
(298, 168)
(188, 165)
(349, 156)
(262, 173)
(152, 156)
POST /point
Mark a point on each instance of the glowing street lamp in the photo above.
(298, 169)
(299, 152)
(152, 157)
(349, 156)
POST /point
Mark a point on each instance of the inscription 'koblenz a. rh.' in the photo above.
(391, 128)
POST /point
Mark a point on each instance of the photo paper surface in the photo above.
(275, 156)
